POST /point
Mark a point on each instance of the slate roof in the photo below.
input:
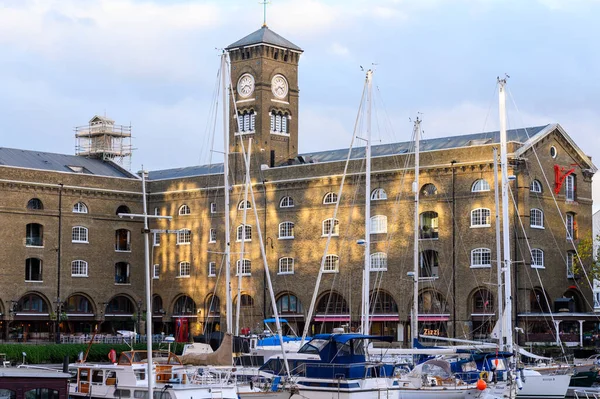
(518, 135)
(60, 163)
(266, 36)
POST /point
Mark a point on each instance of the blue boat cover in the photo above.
(344, 338)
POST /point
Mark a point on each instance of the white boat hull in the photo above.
(544, 386)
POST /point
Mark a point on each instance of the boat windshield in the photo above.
(313, 346)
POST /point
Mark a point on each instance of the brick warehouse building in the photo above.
(62, 210)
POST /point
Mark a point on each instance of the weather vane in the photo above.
(264, 3)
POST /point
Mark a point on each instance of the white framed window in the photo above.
(480, 185)
(184, 237)
(184, 210)
(570, 264)
(286, 230)
(332, 264)
(378, 194)
(279, 122)
(481, 257)
(537, 258)
(536, 218)
(79, 234)
(212, 269)
(213, 207)
(246, 121)
(553, 152)
(535, 186)
(212, 236)
(79, 268)
(33, 269)
(243, 266)
(244, 233)
(286, 265)
(330, 198)
(286, 202)
(156, 272)
(331, 225)
(156, 211)
(570, 188)
(379, 224)
(378, 261)
(185, 269)
(244, 205)
(571, 226)
(156, 239)
(480, 217)
(80, 207)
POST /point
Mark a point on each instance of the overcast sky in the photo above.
(154, 65)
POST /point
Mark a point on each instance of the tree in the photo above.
(588, 258)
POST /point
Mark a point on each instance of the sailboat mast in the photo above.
(228, 307)
(244, 218)
(508, 332)
(367, 269)
(414, 320)
(500, 322)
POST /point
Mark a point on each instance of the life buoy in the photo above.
(112, 356)
(484, 375)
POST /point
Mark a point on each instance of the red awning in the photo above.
(384, 318)
(433, 318)
(332, 318)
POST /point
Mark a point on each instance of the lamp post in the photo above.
(139, 317)
(57, 318)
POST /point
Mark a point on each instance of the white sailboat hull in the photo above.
(544, 386)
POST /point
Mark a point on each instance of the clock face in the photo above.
(279, 86)
(245, 85)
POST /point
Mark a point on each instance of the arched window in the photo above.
(279, 122)
(246, 301)
(571, 224)
(286, 230)
(332, 264)
(244, 266)
(378, 194)
(35, 204)
(78, 304)
(185, 269)
(123, 209)
(571, 259)
(185, 306)
(379, 261)
(212, 306)
(244, 233)
(383, 303)
(33, 269)
(429, 226)
(286, 265)
(537, 258)
(32, 303)
(480, 185)
(331, 225)
(122, 273)
(79, 268)
(42, 393)
(122, 240)
(535, 186)
(157, 305)
(286, 202)
(246, 121)
(330, 198)
(34, 235)
(184, 210)
(429, 262)
(481, 257)
(480, 217)
(8, 394)
(184, 236)
(570, 188)
(536, 218)
(428, 190)
(244, 205)
(332, 303)
(379, 224)
(80, 207)
(483, 302)
(538, 301)
(289, 304)
(79, 234)
(120, 305)
(432, 302)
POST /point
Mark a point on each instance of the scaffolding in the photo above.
(102, 139)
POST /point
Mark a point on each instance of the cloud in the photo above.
(338, 49)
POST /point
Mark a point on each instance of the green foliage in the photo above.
(586, 257)
(54, 353)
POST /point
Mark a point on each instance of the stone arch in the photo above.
(332, 302)
(288, 303)
(184, 305)
(382, 302)
(33, 302)
(78, 302)
(120, 304)
(579, 305)
(432, 301)
(539, 301)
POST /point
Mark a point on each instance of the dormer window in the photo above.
(279, 122)
(246, 121)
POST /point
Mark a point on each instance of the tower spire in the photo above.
(264, 3)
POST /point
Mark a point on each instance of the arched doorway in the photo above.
(483, 315)
(184, 313)
(433, 313)
(118, 315)
(79, 313)
(32, 318)
(158, 312)
(384, 314)
(290, 308)
(332, 311)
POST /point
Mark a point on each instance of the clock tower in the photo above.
(264, 107)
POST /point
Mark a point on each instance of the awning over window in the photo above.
(344, 317)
